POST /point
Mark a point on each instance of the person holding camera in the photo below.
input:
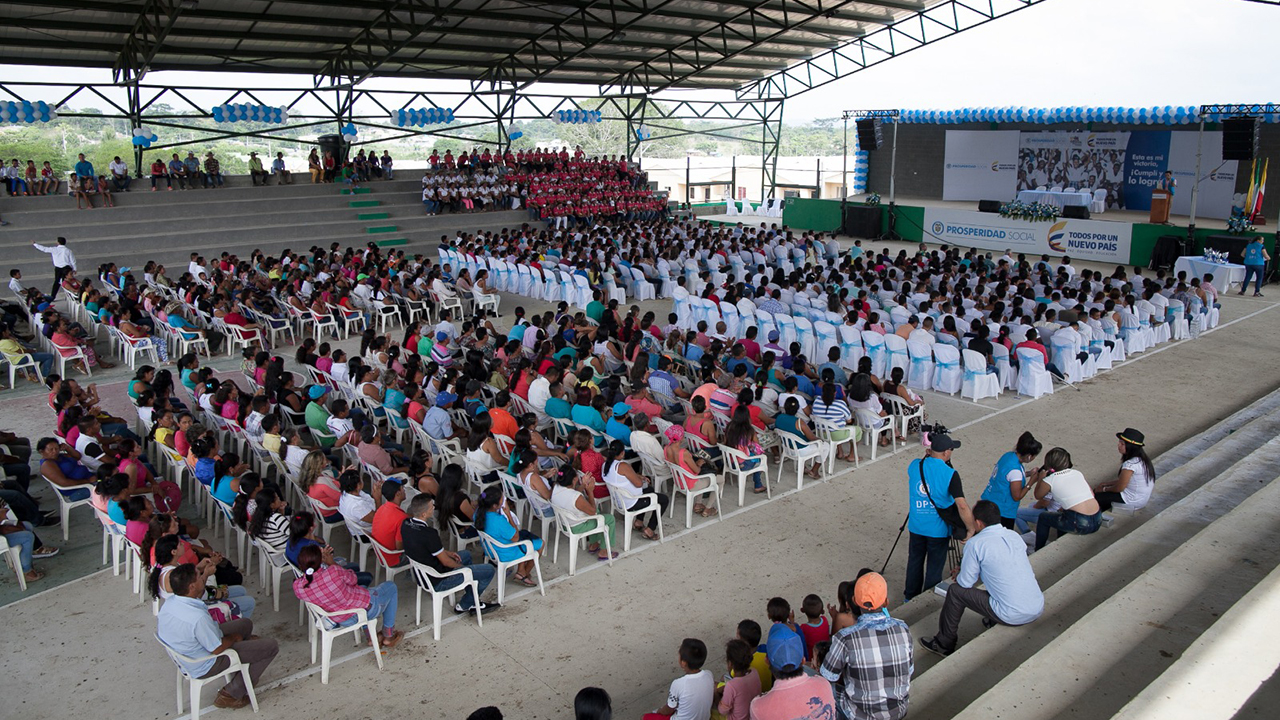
(938, 513)
(1081, 514)
(996, 557)
(1008, 483)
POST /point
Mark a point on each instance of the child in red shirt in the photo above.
(817, 629)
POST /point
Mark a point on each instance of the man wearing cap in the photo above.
(437, 422)
(257, 174)
(996, 557)
(938, 507)
(794, 694)
(317, 417)
(617, 426)
(873, 659)
(387, 522)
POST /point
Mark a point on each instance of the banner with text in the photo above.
(1126, 165)
(1098, 240)
(980, 164)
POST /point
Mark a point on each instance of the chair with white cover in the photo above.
(683, 481)
(732, 323)
(731, 207)
(322, 623)
(1064, 351)
(896, 354)
(920, 371)
(613, 291)
(804, 335)
(644, 289)
(492, 546)
(582, 291)
(734, 462)
(786, 329)
(873, 342)
(978, 383)
(565, 527)
(1135, 337)
(826, 338)
(1098, 204)
(197, 684)
(764, 321)
(1176, 316)
(1008, 377)
(947, 376)
(799, 452)
(850, 346)
(683, 307)
(630, 516)
(1033, 379)
(427, 577)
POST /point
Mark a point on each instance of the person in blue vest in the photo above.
(1167, 183)
(938, 511)
(1255, 265)
(1008, 483)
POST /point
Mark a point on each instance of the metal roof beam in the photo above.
(938, 22)
(154, 21)
(390, 32)
(719, 43)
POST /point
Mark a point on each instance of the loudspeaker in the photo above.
(863, 221)
(1075, 212)
(989, 206)
(1240, 138)
(869, 135)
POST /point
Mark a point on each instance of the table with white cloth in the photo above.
(1224, 274)
(1057, 199)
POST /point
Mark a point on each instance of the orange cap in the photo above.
(871, 592)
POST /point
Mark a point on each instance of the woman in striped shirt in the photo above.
(269, 524)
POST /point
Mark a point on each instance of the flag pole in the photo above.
(1195, 189)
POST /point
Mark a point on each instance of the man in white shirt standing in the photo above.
(996, 557)
(64, 261)
(120, 174)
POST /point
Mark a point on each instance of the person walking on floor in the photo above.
(64, 261)
(1255, 265)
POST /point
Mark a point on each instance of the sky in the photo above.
(1128, 53)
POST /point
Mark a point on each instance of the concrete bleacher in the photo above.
(237, 218)
(1124, 604)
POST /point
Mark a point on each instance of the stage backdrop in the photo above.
(980, 164)
(1098, 240)
(1125, 164)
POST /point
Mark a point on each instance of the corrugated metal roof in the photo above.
(648, 43)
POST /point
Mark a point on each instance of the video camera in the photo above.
(928, 431)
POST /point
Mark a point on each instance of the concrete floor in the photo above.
(617, 627)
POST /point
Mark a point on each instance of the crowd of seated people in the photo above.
(557, 187)
(451, 430)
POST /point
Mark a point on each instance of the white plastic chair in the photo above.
(23, 362)
(1033, 379)
(873, 426)
(13, 557)
(321, 622)
(197, 684)
(798, 452)
(947, 376)
(629, 516)
(903, 410)
(682, 480)
(427, 577)
(75, 353)
(491, 548)
(65, 505)
(734, 460)
(576, 538)
(1098, 204)
(274, 562)
(828, 431)
(978, 383)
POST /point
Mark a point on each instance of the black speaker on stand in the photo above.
(870, 136)
(1241, 138)
(989, 206)
(1075, 212)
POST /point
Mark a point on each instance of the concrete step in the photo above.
(236, 188)
(239, 235)
(373, 216)
(1180, 470)
(983, 661)
(377, 229)
(1094, 666)
(364, 203)
(1209, 682)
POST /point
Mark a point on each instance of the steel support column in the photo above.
(771, 143)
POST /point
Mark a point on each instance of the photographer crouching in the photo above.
(938, 512)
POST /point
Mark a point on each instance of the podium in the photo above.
(1160, 201)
